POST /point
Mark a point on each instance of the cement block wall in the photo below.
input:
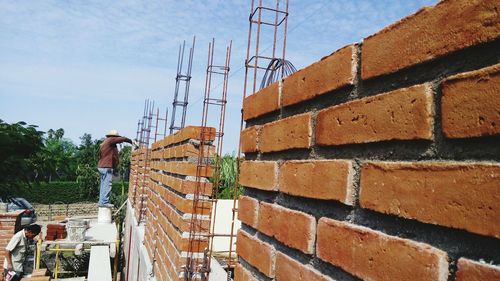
(170, 186)
(381, 160)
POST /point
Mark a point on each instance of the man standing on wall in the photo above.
(108, 160)
(17, 250)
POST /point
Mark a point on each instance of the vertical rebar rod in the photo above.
(255, 67)
(196, 229)
(182, 78)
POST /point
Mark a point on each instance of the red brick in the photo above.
(330, 73)
(241, 274)
(189, 132)
(248, 210)
(403, 114)
(262, 102)
(293, 228)
(459, 195)
(186, 150)
(186, 186)
(248, 246)
(469, 270)
(373, 255)
(428, 34)
(288, 133)
(249, 138)
(470, 104)
(288, 269)
(320, 179)
(185, 168)
(259, 174)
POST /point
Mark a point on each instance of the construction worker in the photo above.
(16, 251)
(108, 160)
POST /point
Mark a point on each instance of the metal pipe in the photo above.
(38, 253)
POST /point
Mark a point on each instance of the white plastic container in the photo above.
(104, 215)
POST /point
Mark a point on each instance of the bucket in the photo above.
(76, 230)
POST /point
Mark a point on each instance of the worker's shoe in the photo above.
(108, 205)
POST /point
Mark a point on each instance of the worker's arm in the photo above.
(14, 241)
(115, 140)
(8, 257)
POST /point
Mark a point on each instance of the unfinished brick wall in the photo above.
(9, 223)
(170, 194)
(138, 181)
(381, 160)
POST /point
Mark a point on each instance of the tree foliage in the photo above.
(87, 175)
(28, 155)
(19, 145)
(227, 178)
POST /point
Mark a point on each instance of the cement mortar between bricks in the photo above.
(457, 243)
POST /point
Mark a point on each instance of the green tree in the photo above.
(59, 156)
(19, 144)
(124, 164)
(87, 175)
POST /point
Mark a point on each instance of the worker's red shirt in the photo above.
(108, 157)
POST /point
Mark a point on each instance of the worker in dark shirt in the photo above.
(108, 160)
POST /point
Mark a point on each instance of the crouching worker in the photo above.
(17, 250)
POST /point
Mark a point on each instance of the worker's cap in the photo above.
(112, 133)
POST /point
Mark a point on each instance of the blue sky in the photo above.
(87, 66)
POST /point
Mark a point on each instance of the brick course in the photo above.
(167, 187)
(390, 147)
(288, 133)
(293, 228)
(330, 73)
(248, 210)
(428, 34)
(404, 114)
(262, 102)
(373, 255)
(331, 179)
(249, 139)
(248, 246)
(469, 270)
(471, 103)
(290, 269)
(461, 195)
(259, 174)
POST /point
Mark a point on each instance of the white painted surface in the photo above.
(222, 221)
(137, 264)
(104, 215)
(100, 232)
(218, 273)
(99, 265)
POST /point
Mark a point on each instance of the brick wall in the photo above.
(381, 160)
(170, 188)
(9, 224)
(138, 181)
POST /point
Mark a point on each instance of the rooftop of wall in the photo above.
(430, 33)
(189, 132)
